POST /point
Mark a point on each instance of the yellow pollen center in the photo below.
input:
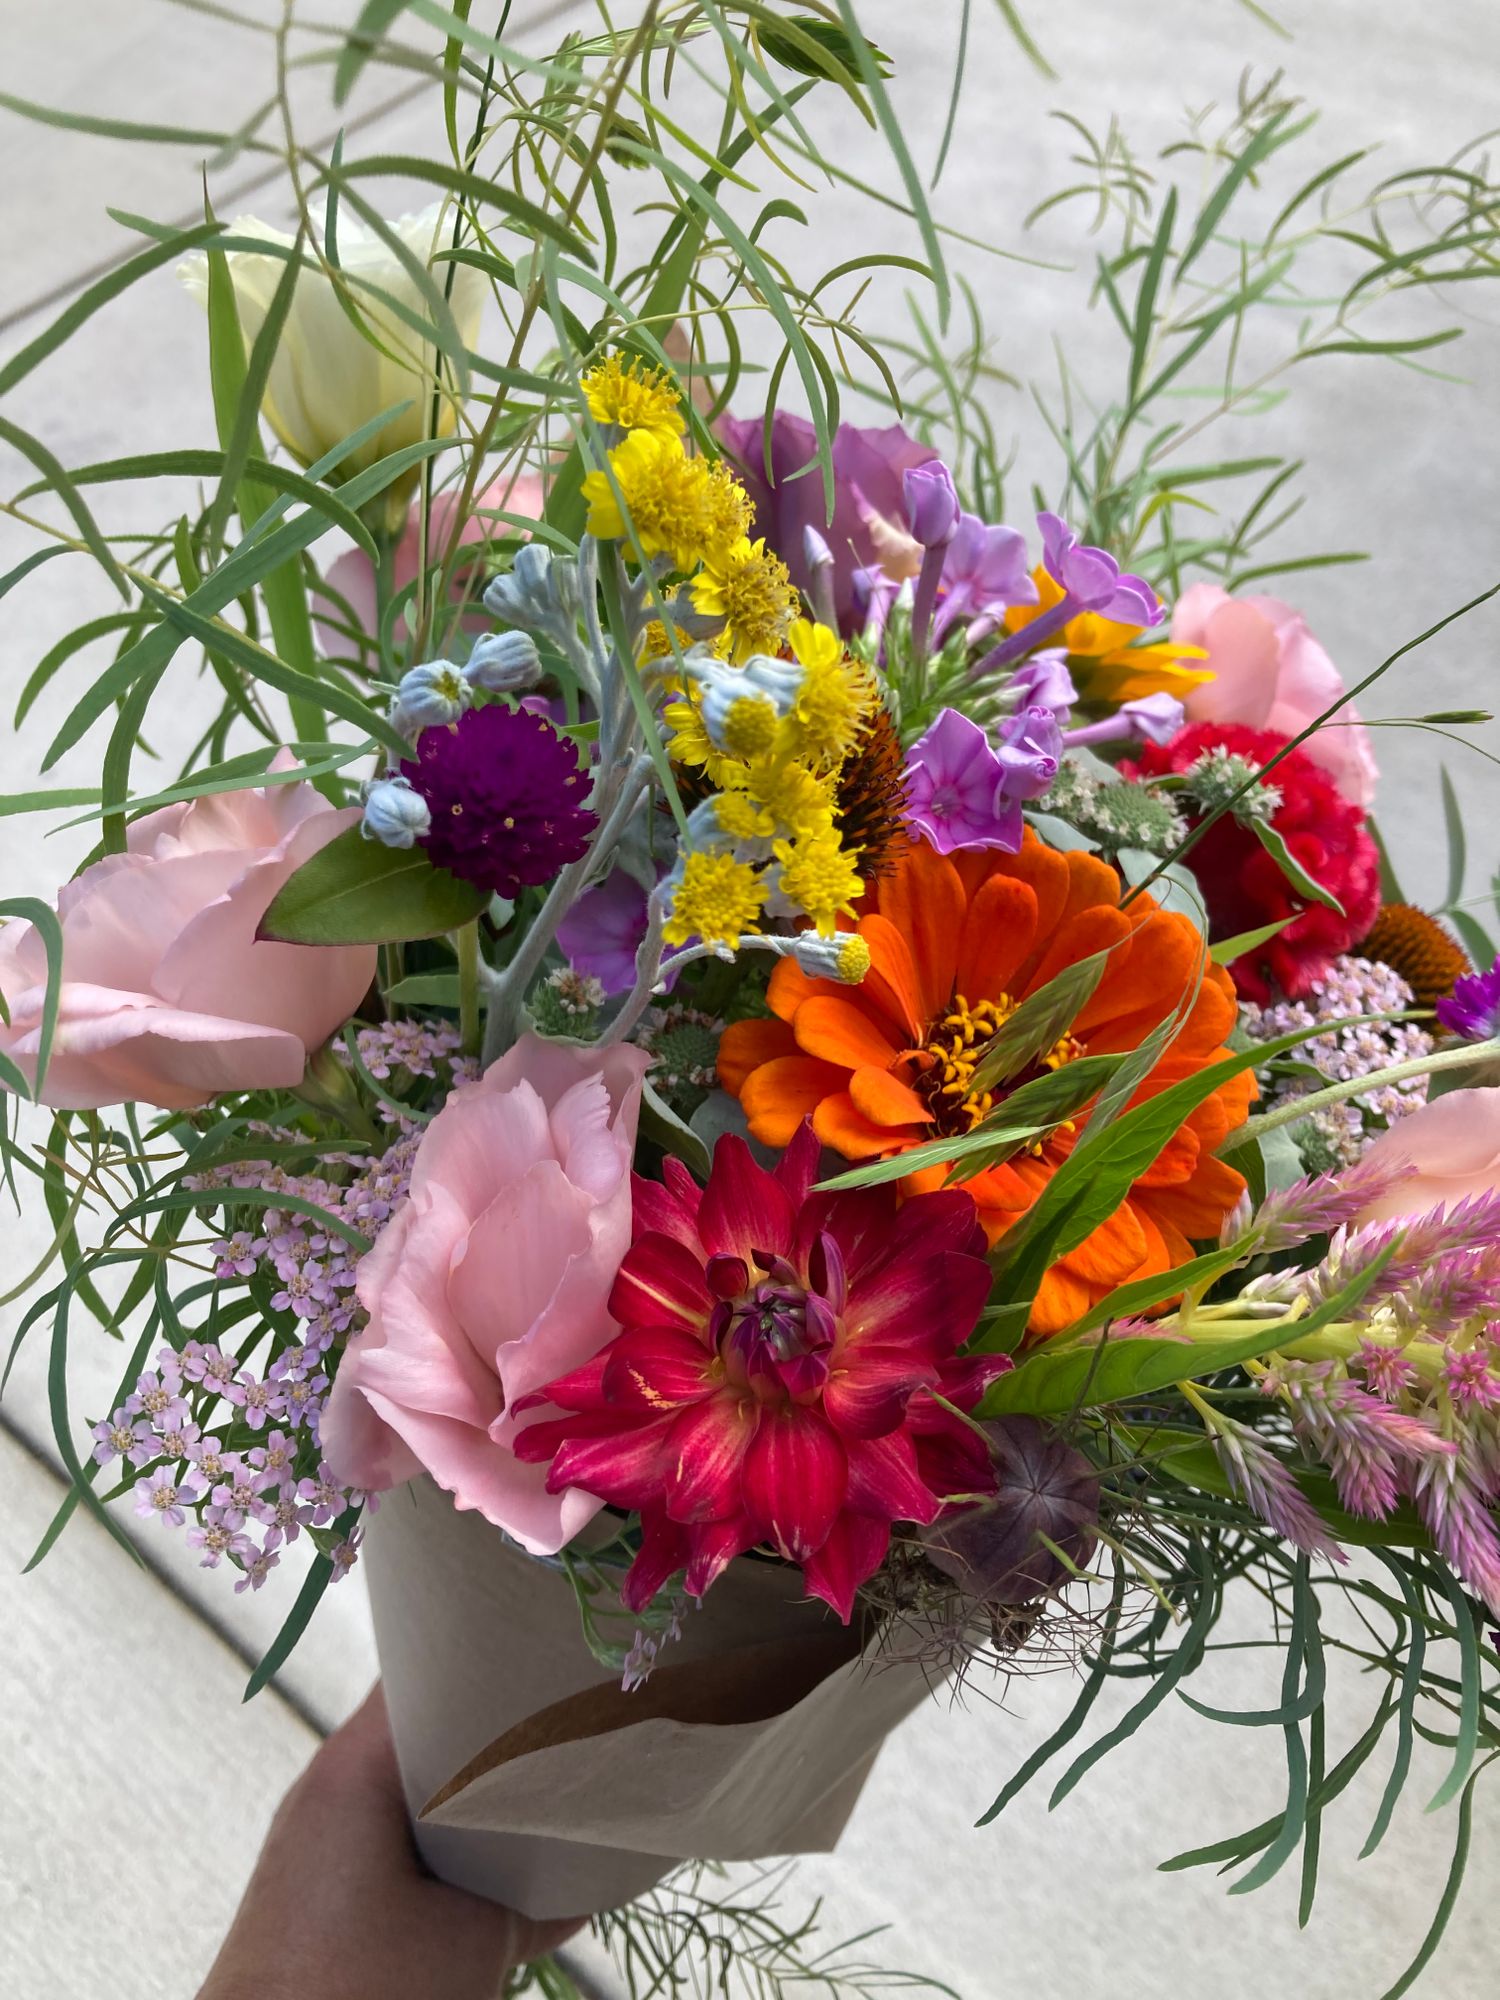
(944, 1067)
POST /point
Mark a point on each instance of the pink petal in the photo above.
(929, 1307)
(714, 1546)
(662, 1211)
(625, 1467)
(743, 1209)
(854, 1550)
(796, 1477)
(661, 1283)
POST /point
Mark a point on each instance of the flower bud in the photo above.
(845, 957)
(395, 814)
(931, 504)
(540, 592)
(428, 696)
(504, 663)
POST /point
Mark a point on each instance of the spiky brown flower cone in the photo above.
(1419, 949)
(872, 797)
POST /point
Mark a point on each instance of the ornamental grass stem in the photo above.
(466, 947)
(1473, 1054)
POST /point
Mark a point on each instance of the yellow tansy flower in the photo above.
(718, 900)
(819, 877)
(751, 590)
(729, 512)
(1105, 662)
(622, 389)
(666, 494)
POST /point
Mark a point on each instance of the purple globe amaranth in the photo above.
(1472, 1010)
(506, 795)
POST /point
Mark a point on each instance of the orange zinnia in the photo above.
(964, 939)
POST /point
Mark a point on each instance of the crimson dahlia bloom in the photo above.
(771, 1382)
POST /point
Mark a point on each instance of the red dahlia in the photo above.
(772, 1380)
(1241, 882)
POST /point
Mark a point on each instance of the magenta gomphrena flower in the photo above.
(506, 795)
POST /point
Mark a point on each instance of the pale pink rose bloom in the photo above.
(353, 574)
(1271, 673)
(491, 1280)
(1452, 1146)
(168, 997)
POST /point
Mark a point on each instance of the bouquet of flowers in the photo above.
(760, 1089)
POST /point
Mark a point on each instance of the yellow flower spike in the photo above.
(666, 493)
(622, 389)
(818, 877)
(751, 590)
(718, 900)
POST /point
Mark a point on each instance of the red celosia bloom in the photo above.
(770, 1383)
(1241, 883)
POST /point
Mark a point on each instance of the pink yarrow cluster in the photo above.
(229, 1451)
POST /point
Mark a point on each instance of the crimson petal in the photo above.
(626, 1468)
(706, 1448)
(797, 1168)
(714, 1546)
(884, 1480)
(656, 1368)
(930, 1304)
(664, 1551)
(661, 1283)
(868, 1389)
(796, 1476)
(666, 1211)
(854, 1550)
(743, 1208)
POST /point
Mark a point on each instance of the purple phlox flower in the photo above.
(1386, 1370)
(1472, 1011)
(1265, 1482)
(257, 1569)
(1093, 579)
(1365, 1443)
(1043, 681)
(932, 509)
(869, 466)
(984, 573)
(1453, 1500)
(1470, 1379)
(1154, 718)
(165, 1494)
(1030, 747)
(123, 1436)
(345, 1554)
(953, 780)
(1316, 1207)
(217, 1538)
(601, 932)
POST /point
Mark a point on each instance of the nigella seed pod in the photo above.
(1043, 1486)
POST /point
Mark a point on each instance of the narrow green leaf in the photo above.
(1143, 325)
(317, 1580)
(1447, 1900)
(1274, 134)
(1411, 1689)
(1236, 947)
(1304, 1611)
(1466, 1735)
(1039, 1022)
(59, 482)
(44, 917)
(1307, 886)
(1453, 820)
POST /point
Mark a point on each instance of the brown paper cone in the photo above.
(534, 1780)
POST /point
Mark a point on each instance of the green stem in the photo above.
(1294, 1108)
(466, 944)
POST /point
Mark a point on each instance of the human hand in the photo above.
(340, 1906)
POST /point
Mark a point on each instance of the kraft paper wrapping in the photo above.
(534, 1780)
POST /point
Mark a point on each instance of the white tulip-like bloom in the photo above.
(329, 375)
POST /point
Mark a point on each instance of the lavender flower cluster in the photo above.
(1335, 1136)
(230, 1451)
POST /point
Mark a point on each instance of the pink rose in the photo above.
(1271, 673)
(1452, 1147)
(491, 1280)
(353, 575)
(167, 995)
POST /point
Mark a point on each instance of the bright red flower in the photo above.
(1242, 884)
(771, 1381)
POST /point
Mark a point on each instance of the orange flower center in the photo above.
(943, 1070)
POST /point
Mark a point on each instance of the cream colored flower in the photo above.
(328, 377)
